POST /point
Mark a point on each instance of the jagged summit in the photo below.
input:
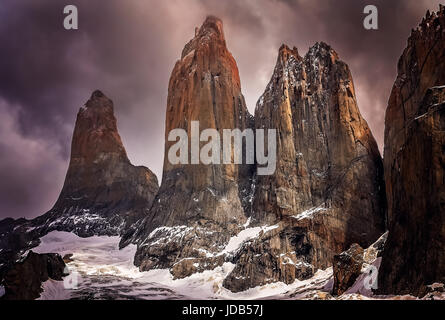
(318, 50)
(327, 191)
(97, 94)
(429, 22)
(285, 52)
(287, 56)
(291, 70)
(321, 49)
(210, 32)
(212, 23)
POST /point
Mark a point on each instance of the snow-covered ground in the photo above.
(102, 271)
(99, 270)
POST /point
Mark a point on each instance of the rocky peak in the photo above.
(95, 135)
(288, 62)
(196, 201)
(210, 25)
(211, 32)
(98, 95)
(322, 51)
(327, 191)
(97, 103)
(285, 53)
(307, 74)
(103, 192)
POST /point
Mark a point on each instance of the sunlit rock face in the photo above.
(103, 193)
(198, 207)
(414, 161)
(327, 191)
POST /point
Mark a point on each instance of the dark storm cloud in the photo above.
(128, 49)
(371, 55)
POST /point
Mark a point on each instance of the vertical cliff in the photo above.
(414, 160)
(327, 191)
(199, 206)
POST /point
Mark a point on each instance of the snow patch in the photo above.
(166, 234)
(212, 191)
(54, 290)
(236, 242)
(247, 222)
(309, 214)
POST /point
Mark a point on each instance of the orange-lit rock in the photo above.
(199, 206)
(327, 191)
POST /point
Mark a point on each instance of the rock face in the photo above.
(436, 291)
(414, 160)
(103, 193)
(347, 267)
(14, 241)
(198, 207)
(24, 280)
(327, 191)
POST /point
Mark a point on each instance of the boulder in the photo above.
(347, 268)
(23, 281)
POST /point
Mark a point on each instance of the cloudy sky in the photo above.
(127, 48)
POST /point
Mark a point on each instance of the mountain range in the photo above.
(332, 202)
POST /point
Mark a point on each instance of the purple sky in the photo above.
(128, 48)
